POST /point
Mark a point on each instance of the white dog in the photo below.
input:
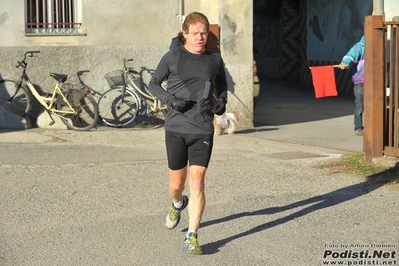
(226, 122)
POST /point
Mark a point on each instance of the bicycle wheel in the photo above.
(86, 107)
(21, 103)
(115, 112)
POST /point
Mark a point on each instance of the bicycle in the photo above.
(121, 104)
(77, 109)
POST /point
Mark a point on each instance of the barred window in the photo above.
(56, 17)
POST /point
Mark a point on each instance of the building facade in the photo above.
(94, 36)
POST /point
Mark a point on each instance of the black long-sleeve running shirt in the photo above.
(186, 74)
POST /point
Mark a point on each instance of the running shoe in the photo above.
(172, 219)
(191, 245)
(359, 132)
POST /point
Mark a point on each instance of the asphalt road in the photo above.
(99, 197)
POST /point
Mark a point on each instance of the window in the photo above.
(52, 17)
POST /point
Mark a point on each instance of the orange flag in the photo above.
(324, 81)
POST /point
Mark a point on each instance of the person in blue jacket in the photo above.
(354, 60)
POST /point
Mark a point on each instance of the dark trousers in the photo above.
(359, 106)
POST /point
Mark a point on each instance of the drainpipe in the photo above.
(181, 13)
(378, 7)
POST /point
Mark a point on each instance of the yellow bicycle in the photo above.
(73, 103)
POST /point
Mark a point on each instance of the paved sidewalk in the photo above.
(287, 112)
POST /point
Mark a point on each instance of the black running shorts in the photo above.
(194, 148)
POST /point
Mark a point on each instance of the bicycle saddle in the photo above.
(59, 77)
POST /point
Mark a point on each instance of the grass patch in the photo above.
(359, 164)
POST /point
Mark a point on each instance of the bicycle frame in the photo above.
(48, 102)
(156, 106)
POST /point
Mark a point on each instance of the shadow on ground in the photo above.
(310, 205)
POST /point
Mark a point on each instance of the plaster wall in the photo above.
(391, 9)
(129, 29)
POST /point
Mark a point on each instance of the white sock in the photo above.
(178, 205)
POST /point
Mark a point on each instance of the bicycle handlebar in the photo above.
(131, 70)
(31, 53)
(126, 60)
(23, 63)
(81, 72)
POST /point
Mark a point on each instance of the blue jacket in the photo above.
(355, 60)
